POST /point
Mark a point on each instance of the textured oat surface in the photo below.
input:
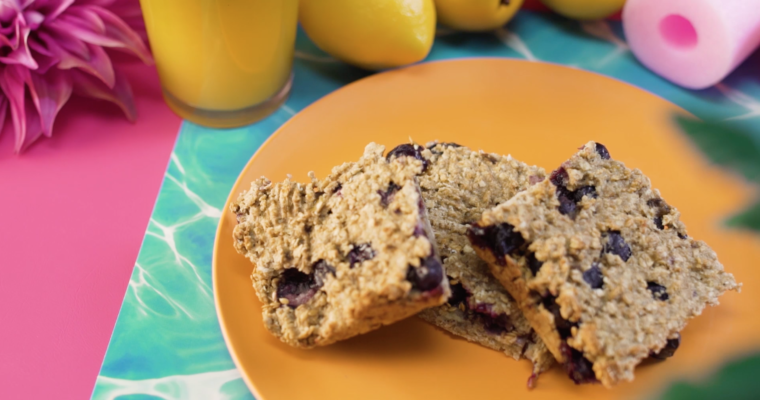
(353, 236)
(457, 186)
(638, 303)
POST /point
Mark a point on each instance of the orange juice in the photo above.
(220, 61)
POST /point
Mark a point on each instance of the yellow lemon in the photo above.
(372, 34)
(476, 15)
(585, 9)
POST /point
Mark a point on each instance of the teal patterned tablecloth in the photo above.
(167, 343)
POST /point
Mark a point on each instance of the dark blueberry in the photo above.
(427, 276)
(533, 263)
(386, 197)
(655, 203)
(483, 308)
(579, 368)
(360, 253)
(559, 177)
(617, 245)
(584, 191)
(410, 150)
(602, 150)
(490, 157)
(458, 295)
(492, 322)
(534, 179)
(496, 324)
(321, 269)
(669, 350)
(419, 230)
(593, 276)
(658, 223)
(443, 144)
(533, 377)
(568, 200)
(564, 327)
(525, 340)
(662, 209)
(338, 189)
(683, 235)
(658, 291)
(567, 203)
(296, 286)
(500, 239)
(659, 204)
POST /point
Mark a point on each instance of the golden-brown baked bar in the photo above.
(458, 184)
(341, 256)
(600, 265)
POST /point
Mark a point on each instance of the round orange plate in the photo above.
(538, 113)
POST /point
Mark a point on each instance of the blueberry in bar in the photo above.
(600, 265)
(341, 256)
(457, 185)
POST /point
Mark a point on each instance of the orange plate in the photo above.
(539, 113)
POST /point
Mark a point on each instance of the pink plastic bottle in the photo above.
(694, 43)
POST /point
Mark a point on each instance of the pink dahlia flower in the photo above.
(51, 48)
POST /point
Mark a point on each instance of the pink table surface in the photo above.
(73, 212)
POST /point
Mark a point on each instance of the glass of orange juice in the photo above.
(223, 63)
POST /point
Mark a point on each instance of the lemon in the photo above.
(372, 34)
(476, 15)
(585, 9)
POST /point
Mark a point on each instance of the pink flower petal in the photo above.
(38, 47)
(98, 26)
(44, 57)
(120, 94)
(12, 34)
(83, 29)
(127, 38)
(3, 111)
(65, 41)
(130, 12)
(33, 19)
(53, 90)
(45, 63)
(4, 41)
(84, 17)
(59, 9)
(52, 48)
(98, 64)
(8, 9)
(13, 85)
(21, 55)
(33, 126)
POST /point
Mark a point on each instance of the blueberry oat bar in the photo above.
(458, 184)
(338, 257)
(600, 265)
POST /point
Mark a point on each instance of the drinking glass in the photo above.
(223, 63)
